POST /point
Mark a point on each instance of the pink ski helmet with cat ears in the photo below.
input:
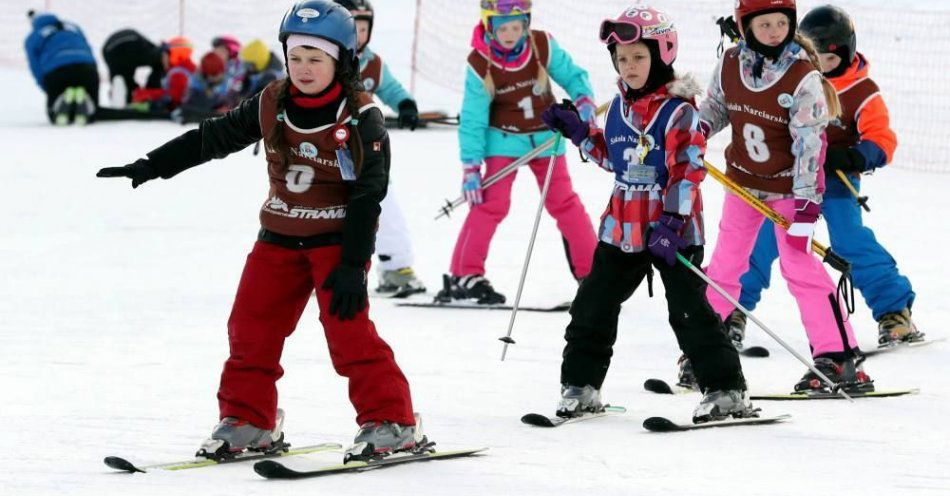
(642, 23)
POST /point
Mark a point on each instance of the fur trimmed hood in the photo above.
(684, 86)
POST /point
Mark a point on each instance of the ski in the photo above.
(662, 424)
(124, 465)
(659, 386)
(755, 352)
(900, 346)
(825, 395)
(401, 294)
(470, 305)
(270, 469)
(539, 420)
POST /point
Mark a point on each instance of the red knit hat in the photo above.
(212, 64)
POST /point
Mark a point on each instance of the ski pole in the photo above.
(862, 200)
(836, 261)
(449, 206)
(527, 258)
(494, 178)
(730, 299)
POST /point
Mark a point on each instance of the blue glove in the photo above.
(665, 240)
(472, 183)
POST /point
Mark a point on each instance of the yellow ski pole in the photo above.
(831, 258)
(862, 200)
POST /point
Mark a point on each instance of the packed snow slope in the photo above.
(114, 304)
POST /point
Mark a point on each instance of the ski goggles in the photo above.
(619, 32)
(507, 7)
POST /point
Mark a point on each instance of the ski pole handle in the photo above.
(862, 200)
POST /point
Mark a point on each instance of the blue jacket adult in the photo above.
(53, 44)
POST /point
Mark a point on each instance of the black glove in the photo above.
(138, 171)
(348, 284)
(408, 114)
(845, 159)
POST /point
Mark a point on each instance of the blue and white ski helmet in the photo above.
(321, 18)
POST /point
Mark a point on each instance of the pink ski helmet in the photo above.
(642, 23)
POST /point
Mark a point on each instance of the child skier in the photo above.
(64, 67)
(507, 86)
(178, 67)
(327, 174)
(209, 93)
(654, 147)
(261, 67)
(770, 90)
(124, 52)
(860, 141)
(393, 244)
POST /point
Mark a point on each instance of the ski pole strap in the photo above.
(650, 281)
(845, 292)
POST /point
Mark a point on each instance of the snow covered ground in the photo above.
(114, 302)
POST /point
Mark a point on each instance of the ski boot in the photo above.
(470, 287)
(381, 439)
(735, 328)
(719, 405)
(897, 327)
(84, 106)
(233, 436)
(687, 379)
(576, 401)
(847, 375)
(399, 283)
(63, 107)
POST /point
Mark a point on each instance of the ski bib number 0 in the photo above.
(299, 178)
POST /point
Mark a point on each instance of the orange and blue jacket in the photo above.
(876, 142)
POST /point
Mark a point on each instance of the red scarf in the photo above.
(325, 97)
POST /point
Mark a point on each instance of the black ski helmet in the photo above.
(832, 31)
(361, 10)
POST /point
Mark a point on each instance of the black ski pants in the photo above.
(613, 279)
(67, 76)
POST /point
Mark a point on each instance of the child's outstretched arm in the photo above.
(214, 138)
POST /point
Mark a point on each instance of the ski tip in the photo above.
(270, 469)
(660, 424)
(537, 420)
(658, 386)
(121, 464)
(755, 352)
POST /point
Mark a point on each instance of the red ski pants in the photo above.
(276, 284)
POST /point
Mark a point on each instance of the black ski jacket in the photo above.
(236, 130)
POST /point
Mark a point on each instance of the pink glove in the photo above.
(803, 224)
(472, 183)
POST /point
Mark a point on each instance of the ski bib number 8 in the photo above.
(755, 145)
